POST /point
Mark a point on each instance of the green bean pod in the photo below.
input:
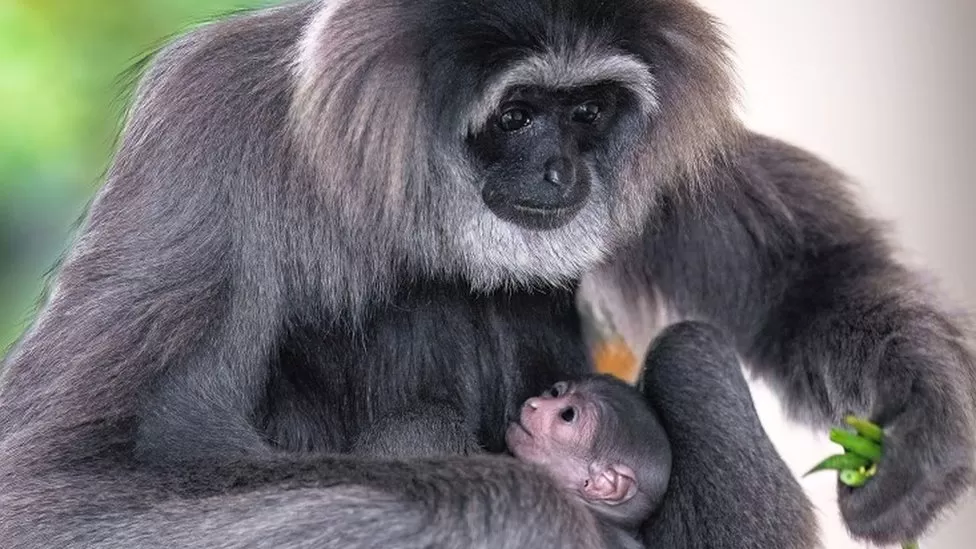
(856, 444)
(865, 428)
(854, 479)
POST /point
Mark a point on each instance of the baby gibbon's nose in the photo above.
(543, 404)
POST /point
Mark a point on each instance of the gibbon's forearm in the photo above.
(809, 288)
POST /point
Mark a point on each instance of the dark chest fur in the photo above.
(483, 353)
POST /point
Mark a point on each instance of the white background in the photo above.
(885, 90)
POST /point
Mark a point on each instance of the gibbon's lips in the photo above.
(516, 435)
(535, 210)
(539, 217)
(522, 427)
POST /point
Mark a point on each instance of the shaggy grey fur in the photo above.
(291, 253)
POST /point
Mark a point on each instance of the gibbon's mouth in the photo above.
(541, 218)
(542, 211)
(518, 423)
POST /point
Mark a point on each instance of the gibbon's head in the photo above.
(509, 141)
(600, 440)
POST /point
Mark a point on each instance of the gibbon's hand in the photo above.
(926, 464)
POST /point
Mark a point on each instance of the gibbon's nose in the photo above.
(559, 172)
(543, 405)
(531, 418)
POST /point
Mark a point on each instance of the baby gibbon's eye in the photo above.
(568, 415)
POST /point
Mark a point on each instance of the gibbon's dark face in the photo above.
(539, 152)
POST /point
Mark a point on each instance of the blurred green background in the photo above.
(65, 73)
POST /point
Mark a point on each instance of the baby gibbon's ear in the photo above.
(610, 484)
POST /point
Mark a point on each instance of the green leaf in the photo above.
(841, 462)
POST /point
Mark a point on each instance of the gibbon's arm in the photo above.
(778, 254)
(315, 502)
(749, 497)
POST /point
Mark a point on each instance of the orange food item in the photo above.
(613, 356)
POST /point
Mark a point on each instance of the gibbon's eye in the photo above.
(557, 390)
(587, 113)
(514, 119)
(568, 415)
